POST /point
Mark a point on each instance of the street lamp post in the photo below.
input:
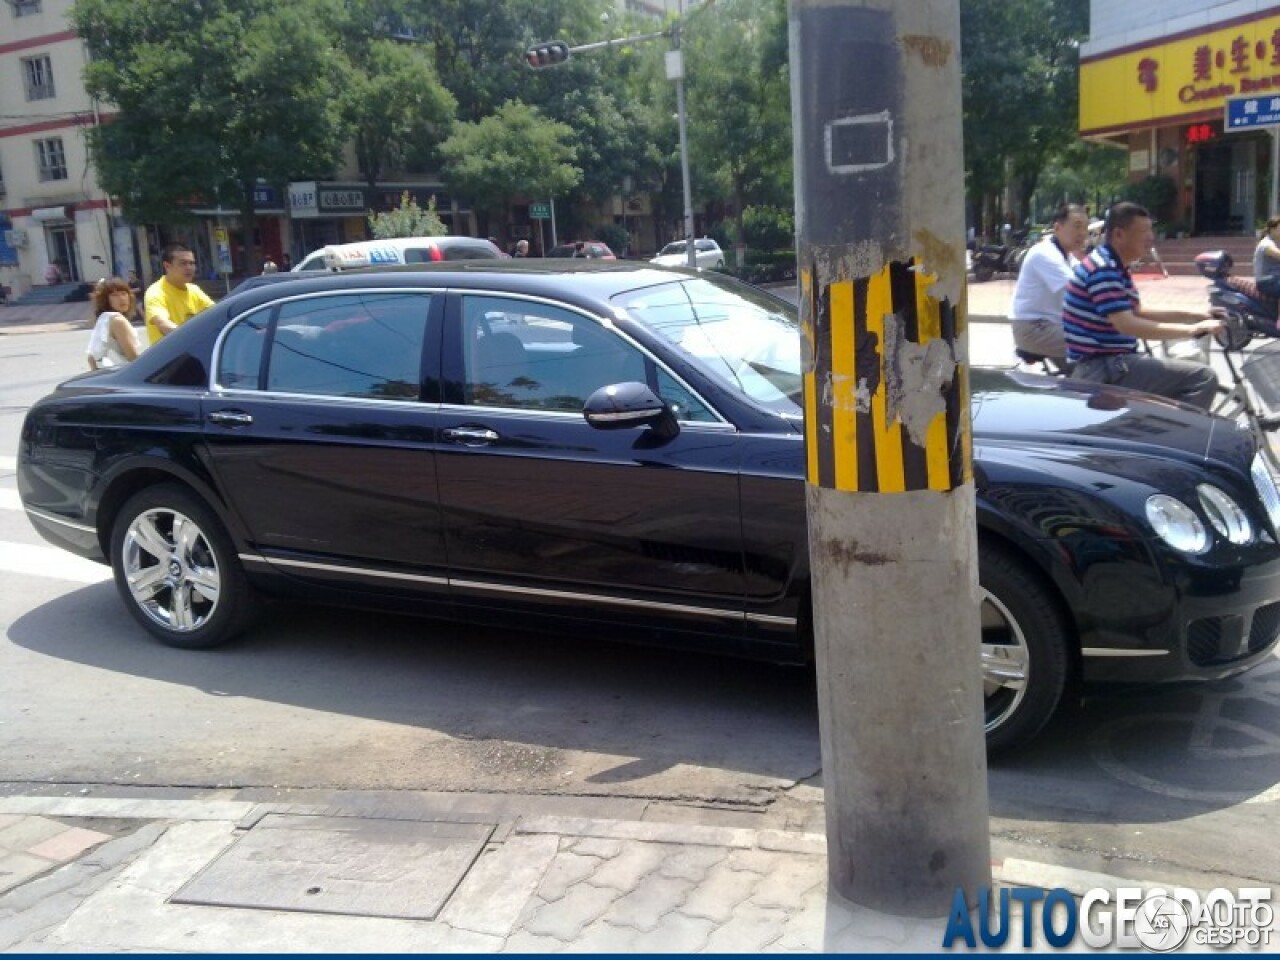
(675, 71)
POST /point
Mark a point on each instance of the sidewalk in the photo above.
(205, 872)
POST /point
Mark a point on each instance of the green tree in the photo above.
(407, 220)
(739, 102)
(392, 103)
(1020, 86)
(515, 152)
(211, 99)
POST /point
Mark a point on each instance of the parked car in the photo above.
(706, 254)
(619, 448)
(375, 253)
(590, 249)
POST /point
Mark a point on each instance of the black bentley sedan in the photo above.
(619, 448)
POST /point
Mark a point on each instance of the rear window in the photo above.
(468, 251)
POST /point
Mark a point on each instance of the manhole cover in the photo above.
(362, 867)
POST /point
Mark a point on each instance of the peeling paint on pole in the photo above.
(886, 401)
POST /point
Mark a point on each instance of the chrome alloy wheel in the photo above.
(171, 571)
(1005, 662)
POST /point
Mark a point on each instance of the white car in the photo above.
(370, 253)
(706, 253)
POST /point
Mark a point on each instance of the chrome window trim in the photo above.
(481, 586)
(326, 398)
(608, 324)
(597, 598)
(61, 521)
(766, 618)
(716, 426)
(1108, 652)
(339, 568)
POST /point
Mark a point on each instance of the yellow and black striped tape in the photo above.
(855, 438)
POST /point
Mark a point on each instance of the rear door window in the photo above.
(366, 345)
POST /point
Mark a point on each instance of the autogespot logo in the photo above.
(1157, 920)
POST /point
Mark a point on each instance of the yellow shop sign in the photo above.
(1184, 77)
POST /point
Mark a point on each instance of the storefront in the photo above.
(322, 213)
(1162, 98)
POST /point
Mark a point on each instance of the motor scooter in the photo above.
(1250, 313)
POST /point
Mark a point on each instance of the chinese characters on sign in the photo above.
(1234, 65)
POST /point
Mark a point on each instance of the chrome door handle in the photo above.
(470, 435)
(231, 418)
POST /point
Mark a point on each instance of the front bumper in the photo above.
(1214, 628)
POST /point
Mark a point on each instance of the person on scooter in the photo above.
(1036, 310)
(1266, 261)
(1102, 318)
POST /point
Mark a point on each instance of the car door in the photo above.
(320, 431)
(546, 513)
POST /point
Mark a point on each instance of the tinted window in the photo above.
(536, 356)
(421, 254)
(468, 251)
(241, 360)
(356, 345)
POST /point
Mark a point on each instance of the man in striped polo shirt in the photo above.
(1102, 319)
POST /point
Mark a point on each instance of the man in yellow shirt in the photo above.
(173, 299)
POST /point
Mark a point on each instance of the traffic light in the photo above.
(547, 54)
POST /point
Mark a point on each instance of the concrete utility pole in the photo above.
(892, 534)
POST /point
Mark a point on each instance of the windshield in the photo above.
(743, 338)
(670, 248)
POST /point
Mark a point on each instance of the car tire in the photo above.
(981, 274)
(1025, 642)
(166, 580)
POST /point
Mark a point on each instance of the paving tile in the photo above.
(716, 897)
(605, 937)
(692, 863)
(566, 918)
(596, 847)
(27, 832)
(628, 868)
(676, 934)
(17, 868)
(645, 907)
(522, 941)
(566, 870)
(786, 885)
(498, 886)
(7, 819)
(749, 930)
(69, 844)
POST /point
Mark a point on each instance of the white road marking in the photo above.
(9, 500)
(50, 562)
(8, 463)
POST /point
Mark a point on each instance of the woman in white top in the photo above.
(113, 342)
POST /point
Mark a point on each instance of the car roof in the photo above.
(585, 282)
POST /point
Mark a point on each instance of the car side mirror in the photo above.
(622, 405)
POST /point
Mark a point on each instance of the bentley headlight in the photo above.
(1176, 524)
(1225, 515)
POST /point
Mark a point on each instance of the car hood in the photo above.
(1026, 410)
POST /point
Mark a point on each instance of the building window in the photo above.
(37, 72)
(25, 8)
(51, 160)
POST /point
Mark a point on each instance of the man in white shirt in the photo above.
(1036, 310)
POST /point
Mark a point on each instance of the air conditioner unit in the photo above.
(16, 238)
